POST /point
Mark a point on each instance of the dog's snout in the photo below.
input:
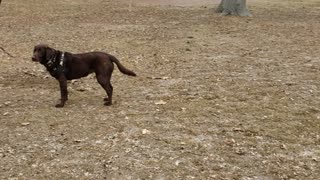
(33, 58)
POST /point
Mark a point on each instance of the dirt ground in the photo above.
(215, 97)
(172, 2)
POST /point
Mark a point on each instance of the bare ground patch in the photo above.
(215, 97)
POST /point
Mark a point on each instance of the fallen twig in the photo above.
(5, 51)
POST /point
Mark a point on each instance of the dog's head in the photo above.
(42, 53)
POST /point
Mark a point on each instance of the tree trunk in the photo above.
(233, 7)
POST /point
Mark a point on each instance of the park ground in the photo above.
(215, 97)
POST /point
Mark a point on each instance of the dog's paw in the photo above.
(59, 105)
(107, 103)
(106, 99)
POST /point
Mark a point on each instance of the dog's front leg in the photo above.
(63, 91)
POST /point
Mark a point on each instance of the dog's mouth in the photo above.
(34, 59)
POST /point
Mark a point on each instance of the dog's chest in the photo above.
(57, 71)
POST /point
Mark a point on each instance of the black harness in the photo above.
(55, 67)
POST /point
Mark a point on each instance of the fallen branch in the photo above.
(5, 50)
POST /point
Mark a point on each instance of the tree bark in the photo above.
(233, 7)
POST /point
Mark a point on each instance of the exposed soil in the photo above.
(172, 2)
(215, 97)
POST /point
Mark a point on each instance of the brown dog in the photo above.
(67, 66)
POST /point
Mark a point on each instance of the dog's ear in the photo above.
(49, 52)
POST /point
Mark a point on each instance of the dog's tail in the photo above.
(121, 67)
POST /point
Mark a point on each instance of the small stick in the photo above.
(5, 50)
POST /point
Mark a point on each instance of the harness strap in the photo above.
(62, 59)
(61, 65)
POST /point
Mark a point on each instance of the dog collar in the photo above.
(51, 61)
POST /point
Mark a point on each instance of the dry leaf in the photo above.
(161, 102)
(25, 124)
(145, 131)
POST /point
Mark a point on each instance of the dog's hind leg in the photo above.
(104, 81)
(106, 98)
